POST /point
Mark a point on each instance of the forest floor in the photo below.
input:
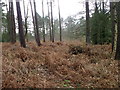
(53, 65)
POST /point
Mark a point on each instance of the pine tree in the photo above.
(49, 21)
(52, 26)
(117, 54)
(12, 22)
(87, 23)
(33, 17)
(25, 20)
(0, 19)
(100, 26)
(20, 25)
(37, 36)
(60, 21)
(112, 12)
(43, 21)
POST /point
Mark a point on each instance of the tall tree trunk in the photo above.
(60, 21)
(43, 22)
(100, 6)
(96, 7)
(33, 18)
(12, 22)
(25, 21)
(20, 25)
(87, 23)
(0, 17)
(117, 54)
(36, 23)
(8, 22)
(103, 6)
(49, 21)
(1, 43)
(112, 12)
(52, 21)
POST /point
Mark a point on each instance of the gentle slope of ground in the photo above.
(53, 66)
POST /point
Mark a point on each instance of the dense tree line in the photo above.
(103, 25)
(98, 27)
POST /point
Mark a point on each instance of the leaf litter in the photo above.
(52, 65)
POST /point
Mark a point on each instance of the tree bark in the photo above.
(96, 7)
(0, 17)
(43, 22)
(20, 25)
(112, 12)
(87, 23)
(49, 21)
(52, 21)
(36, 23)
(117, 54)
(8, 22)
(103, 6)
(12, 23)
(25, 21)
(60, 21)
(33, 18)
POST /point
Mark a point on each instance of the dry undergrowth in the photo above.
(52, 66)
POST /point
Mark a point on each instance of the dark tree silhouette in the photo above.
(0, 17)
(60, 21)
(13, 37)
(52, 21)
(20, 25)
(103, 6)
(112, 12)
(32, 17)
(8, 21)
(87, 23)
(26, 20)
(117, 55)
(36, 24)
(43, 22)
(49, 21)
(11, 22)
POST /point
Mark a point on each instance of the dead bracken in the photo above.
(47, 67)
(75, 49)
